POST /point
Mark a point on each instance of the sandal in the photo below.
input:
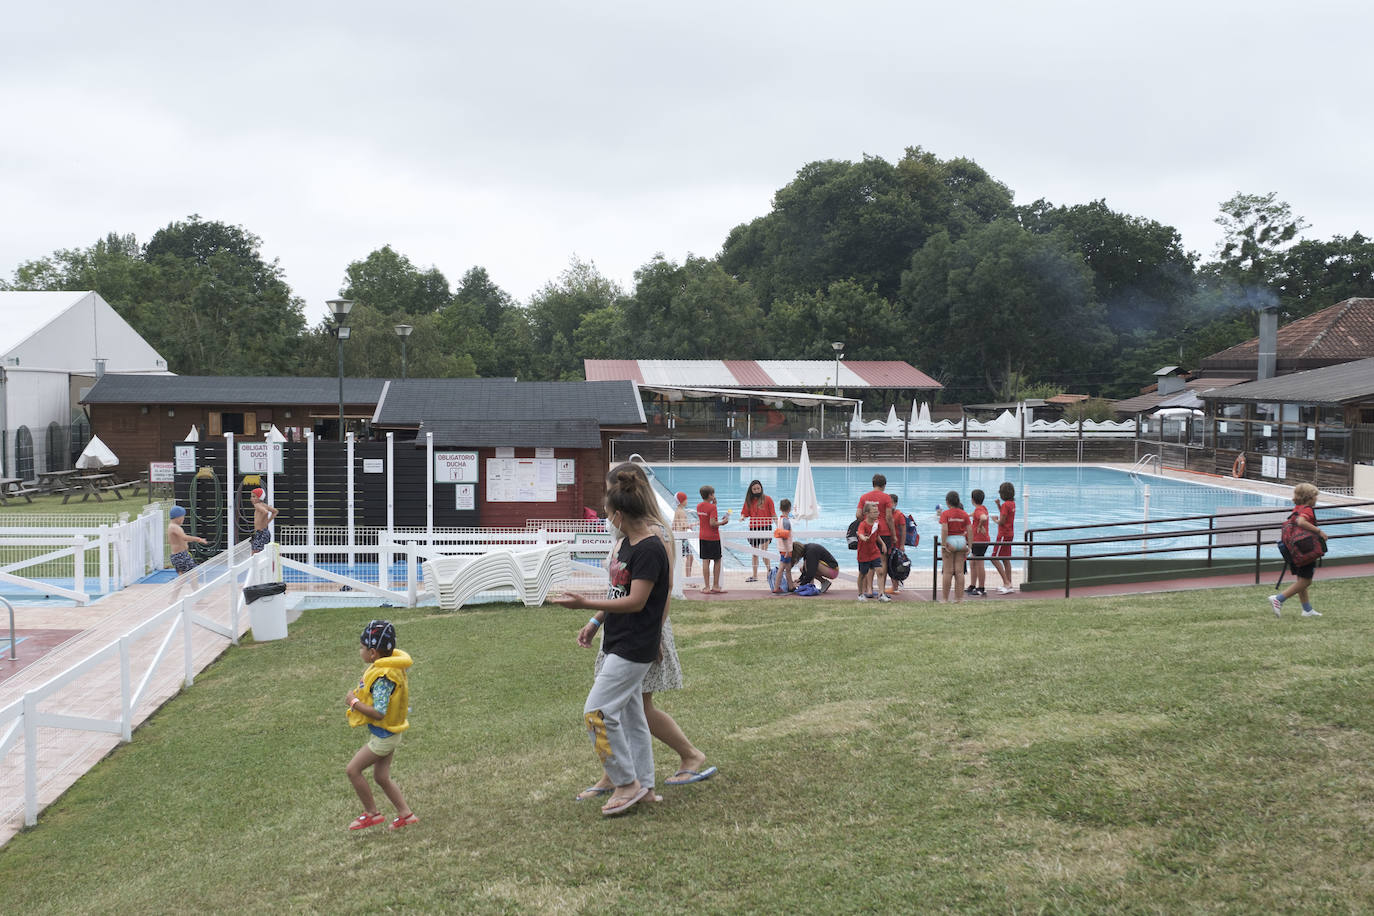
(592, 792)
(613, 808)
(365, 820)
(404, 821)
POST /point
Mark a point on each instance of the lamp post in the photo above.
(403, 331)
(340, 309)
(838, 347)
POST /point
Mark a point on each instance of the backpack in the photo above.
(851, 535)
(913, 537)
(898, 565)
(1303, 547)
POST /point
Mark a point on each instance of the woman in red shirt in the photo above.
(758, 509)
(954, 525)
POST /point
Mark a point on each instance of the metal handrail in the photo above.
(1250, 510)
(1143, 461)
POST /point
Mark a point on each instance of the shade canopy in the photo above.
(96, 456)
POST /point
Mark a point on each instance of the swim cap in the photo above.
(259, 492)
(380, 635)
(681, 497)
(177, 512)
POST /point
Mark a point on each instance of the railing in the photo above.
(1145, 461)
(23, 717)
(8, 604)
(972, 450)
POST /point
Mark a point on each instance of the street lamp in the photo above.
(340, 309)
(403, 331)
(838, 347)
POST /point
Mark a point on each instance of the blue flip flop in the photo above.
(592, 792)
(691, 776)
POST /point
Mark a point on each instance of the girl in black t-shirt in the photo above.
(640, 578)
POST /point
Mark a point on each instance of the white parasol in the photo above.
(894, 425)
(193, 435)
(804, 504)
(96, 456)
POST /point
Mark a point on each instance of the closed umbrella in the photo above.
(193, 435)
(804, 504)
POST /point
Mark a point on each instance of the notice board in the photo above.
(522, 480)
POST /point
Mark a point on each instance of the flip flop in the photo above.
(692, 776)
(592, 792)
(608, 811)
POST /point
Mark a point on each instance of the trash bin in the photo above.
(267, 610)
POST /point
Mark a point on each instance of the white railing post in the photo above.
(411, 590)
(384, 558)
(30, 759)
(352, 556)
(390, 481)
(104, 548)
(186, 641)
(1145, 542)
(230, 490)
(126, 693)
(79, 569)
(429, 486)
(310, 497)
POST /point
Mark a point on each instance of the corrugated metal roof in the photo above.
(764, 373)
(1333, 385)
(576, 432)
(1143, 403)
(410, 401)
(118, 388)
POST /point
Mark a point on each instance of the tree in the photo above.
(389, 283)
(555, 313)
(1314, 274)
(693, 310)
(373, 350)
(1001, 303)
(864, 321)
(1257, 228)
(859, 220)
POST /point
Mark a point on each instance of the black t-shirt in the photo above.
(635, 637)
(813, 556)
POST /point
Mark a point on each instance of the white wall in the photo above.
(34, 399)
(81, 333)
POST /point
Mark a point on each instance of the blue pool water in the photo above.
(1045, 497)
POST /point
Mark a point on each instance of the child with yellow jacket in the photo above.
(381, 701)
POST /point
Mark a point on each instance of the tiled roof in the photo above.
(760, 374)
(1340, 384)
(115, 388)
(1340, 333)
(577, 432)
(408, 402)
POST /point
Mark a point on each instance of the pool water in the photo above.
(1045, 497)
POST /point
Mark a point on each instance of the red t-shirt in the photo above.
(980, 523)
(1307, 512)
(884, 507)
(1006, 521)
(868, 550)
(956, 520)
(898, 523)
(705, 512)
(760, 514)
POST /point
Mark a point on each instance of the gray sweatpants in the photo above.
(614, 713)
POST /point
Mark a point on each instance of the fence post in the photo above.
(390, 481)
(104, 548)
(384, 557)
(935, 568)
(186, 640)
(126, 693)
(79, 569)
(410, 574)
(30, 759)
(310, 497)
(1257, 556)
(1068, 557)
(429, 487)
(352, 546)
(230, 491)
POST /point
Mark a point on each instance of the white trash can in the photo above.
(267, 610)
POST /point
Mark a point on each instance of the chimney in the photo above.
(1268, 342)
(99, 368)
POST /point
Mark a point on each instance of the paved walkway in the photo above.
(64, 754)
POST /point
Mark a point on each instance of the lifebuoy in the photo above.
(1238, 468)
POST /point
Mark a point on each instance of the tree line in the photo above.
(925, 260)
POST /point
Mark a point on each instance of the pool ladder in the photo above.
(1143, 462)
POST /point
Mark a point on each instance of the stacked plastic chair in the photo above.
(531, 574)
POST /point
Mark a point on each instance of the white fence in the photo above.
(53, 555)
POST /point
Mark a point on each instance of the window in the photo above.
(23, 453)
(57, 448)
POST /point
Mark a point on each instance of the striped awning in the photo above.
(760, 374)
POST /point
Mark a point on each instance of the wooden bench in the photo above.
(27, 492)
(115, 488)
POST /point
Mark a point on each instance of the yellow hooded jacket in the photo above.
(393, 668)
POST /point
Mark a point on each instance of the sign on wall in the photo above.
(758, 448)
(567, 472)
(466, 495)
(521, 480)
(185, 458)
(161, 472)
(996, 450)
(374, 466)
(260, 457)
(455, 467)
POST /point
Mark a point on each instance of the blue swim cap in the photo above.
(177, 512)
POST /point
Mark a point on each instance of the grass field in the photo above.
(1172, 753)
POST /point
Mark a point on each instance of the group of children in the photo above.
(962, 533)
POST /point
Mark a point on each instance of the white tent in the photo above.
(804, 504)
(96, 456)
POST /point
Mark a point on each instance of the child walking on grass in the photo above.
(381, 701)
(1304, 501)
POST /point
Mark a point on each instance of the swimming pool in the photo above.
(1045, 497)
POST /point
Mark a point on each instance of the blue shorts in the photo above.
(182, 562)
(785, 558)
(867, 565)
(261, 538)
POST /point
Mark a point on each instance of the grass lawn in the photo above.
(1174, 753)
(109, 508)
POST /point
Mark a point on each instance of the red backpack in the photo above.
(1304, 547)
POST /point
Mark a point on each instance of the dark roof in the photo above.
(1338, 334)
(410, 401)
(1343, 384)
(1144, 403)
(114, 388)
(578, 432)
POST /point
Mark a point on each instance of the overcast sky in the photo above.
(518, 135)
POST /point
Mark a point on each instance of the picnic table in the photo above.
(11, 487)
(89, 485)
(54, 481)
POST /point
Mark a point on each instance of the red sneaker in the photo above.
(365, 820)
(404, 821)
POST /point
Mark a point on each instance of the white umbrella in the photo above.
(804, 504)
(193, 435)
(274, 435)
(96, 456)
(925, 414)
(894, 425)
